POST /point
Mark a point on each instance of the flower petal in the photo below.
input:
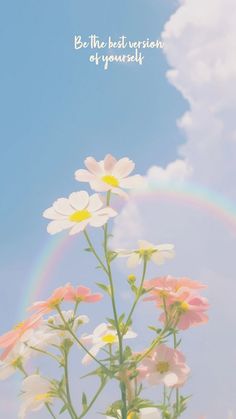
(79, 200)
(109, 163)
(57, 226)
(62, 206)
(93, 166)
(83, 175)
(95, 203)
(123, 168)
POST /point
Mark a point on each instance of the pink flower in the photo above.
(11, 338)
(80, 294)
(46, 306)
(109, 174)
(164, 366)
(169, 286)
(191, 309)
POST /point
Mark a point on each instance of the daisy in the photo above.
(109, 175)
(102, 335)
(77, 212)
(14, 360)
(164, 366)
(148, 251)
(36, 391)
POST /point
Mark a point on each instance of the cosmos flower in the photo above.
(46, 306)
(11, 338)
(164, 366)
(155, 253)
(36, 391)
(109, 175)
(102, 335)
(81, 294)
(77, 212)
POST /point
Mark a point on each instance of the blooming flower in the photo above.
(81, 294)
(109, 174)
(191, 309)
(145, 413)
(156, 253)
(11, 338)
(36, 392)
(169, 286)
(102, 335)
(44, 307)
(14, 360)
(164, 366)
(77, 212)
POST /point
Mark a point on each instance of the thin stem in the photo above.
(46, 353)
(139, 293)
(80, 343)
(94, 252)
(101, 387)
(177, 390)
(119, 334)
(70, 405)
(50, 410)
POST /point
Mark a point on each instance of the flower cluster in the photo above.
(52, 329)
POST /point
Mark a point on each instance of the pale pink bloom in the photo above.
(77, 212)
(11, 338)
(169, 286)
(191, 309)
(36, 391)
(81, 294)
(164, 366)
(46, 306)
(15, 359)
(109, 175)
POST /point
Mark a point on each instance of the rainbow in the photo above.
(193, 195)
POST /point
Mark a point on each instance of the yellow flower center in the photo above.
(111, 180)
(184, 306)
(79, 216)
(132, 415)
(19, 325)
(162, 367)
(55, 302)
(16, 362)
(109, 338)
(42, 397)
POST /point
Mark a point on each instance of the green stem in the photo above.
(119, 334)
(46, 353)
(139, 293)
(94, 252)
(68, 396)
(177, 390)
(50, 410)
(80, 343)
(93, 400)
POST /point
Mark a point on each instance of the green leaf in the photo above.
(88, 249)
(63, 409)
(84, 401)
(104, 287)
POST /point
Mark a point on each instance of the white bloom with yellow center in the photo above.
(156, 253)
(15, 359)
(36, 391)
(102, 335)
(109, 175)
(77, 212)
(145, 413)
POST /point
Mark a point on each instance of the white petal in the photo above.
(58, 225)
(83, 175)
(95, 203)
(144, 244)
(100, 330)
(94, 350)
(62, 206)
(109, 163)
(6, 370)
(158, 258)
(52, 214)
(123, 168)
(93, 166)
(130, 335)
(78, 227)
(79, 200)
(132, 182)
(99, 186)
(110, 212)
(133, 260)
(170, 379)
(150, 413)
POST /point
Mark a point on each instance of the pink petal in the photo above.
(109, 163)
(79, 200)
(83, 175)
(95, 203)
(131, 182)
(93, 166)
(62, 206)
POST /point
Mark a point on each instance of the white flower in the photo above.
(77, 212)
(36, 392)
(16, 358)
(46, 335)
(102, 335)
(156, 253)
(109, 174)
(145, 413)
